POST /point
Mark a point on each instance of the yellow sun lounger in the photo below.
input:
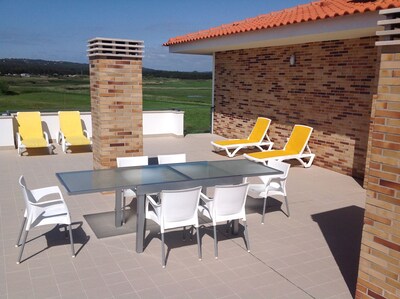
(256, 139)
(30, 132)
(71, 132)
(294, 149)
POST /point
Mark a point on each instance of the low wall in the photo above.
(154, 123)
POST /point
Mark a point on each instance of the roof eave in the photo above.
(343, 27)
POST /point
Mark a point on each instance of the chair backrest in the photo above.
(70, 123)
(29, 125)
(299, 138)
(260, 129)
(179, 205)
(229, 200)
(132, 161)
(175, 158)
(28, 197)
(282, 166)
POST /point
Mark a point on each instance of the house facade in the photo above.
(333, 65)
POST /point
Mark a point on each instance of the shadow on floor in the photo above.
(59, 235)
(342, 230)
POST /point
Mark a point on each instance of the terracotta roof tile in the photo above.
(313, 11)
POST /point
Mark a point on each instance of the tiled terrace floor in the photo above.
(312, 254)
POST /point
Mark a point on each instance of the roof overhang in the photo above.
(337, 28)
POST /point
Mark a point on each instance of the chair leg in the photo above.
(287, 206)
(184, 234)
(22, 246)
(71, 240)
(199, 243)
(162, 251)
(246, 236)
(20, 232)
(264, 207)
(215, 242)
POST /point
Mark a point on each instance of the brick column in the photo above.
(116, 99)
(379, 268)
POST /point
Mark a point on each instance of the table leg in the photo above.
(118, 208)
(140, 223)
(235, 227)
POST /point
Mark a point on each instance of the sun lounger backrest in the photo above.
(260, 129)
(70, 123)
(298, 139)
(29, 125)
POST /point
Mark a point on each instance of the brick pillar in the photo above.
(116, 99)
(379, 268)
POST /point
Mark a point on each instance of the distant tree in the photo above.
(4, 87)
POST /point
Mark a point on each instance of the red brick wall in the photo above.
(330, 88)
(116, 104)
(379, 269)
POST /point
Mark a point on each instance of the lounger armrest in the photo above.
(60, 137)
(86, 133)
(46, 136)
(18, 138)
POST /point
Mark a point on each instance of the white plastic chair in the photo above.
(174, 158)
(42, 213)
(228, 204)
(128, 162)
(177, 208)
(272, 185)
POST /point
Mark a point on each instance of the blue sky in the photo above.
(59, 30)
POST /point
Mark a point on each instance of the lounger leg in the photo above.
(215, 243)
(71, 240)
(230, 155)
(264, 207)
(287, 206)
(246, 236)
(198, 243)
(20, 232)
(162, 251)
(184, 234)
(22, 246)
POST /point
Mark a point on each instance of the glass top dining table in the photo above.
(155, 178)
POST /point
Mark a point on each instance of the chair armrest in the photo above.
(41, 192)
(47, 202)
(205, 198)
(150, 200)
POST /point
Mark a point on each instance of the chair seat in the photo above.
(258, 190)
(34, 142)
(234, 142)
(77, 140)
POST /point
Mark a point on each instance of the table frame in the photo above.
(183, 182)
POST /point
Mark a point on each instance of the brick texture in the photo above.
(116, 104)
(330, 88)
(379, 269)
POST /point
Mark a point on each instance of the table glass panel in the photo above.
(111, 179)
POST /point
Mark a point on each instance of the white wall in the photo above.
(163, 122)
(154, 123)
(6, 131)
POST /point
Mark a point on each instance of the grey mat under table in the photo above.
(103, 224)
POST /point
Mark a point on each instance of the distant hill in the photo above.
(45, 67)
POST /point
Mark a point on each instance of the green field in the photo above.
(65, 93)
